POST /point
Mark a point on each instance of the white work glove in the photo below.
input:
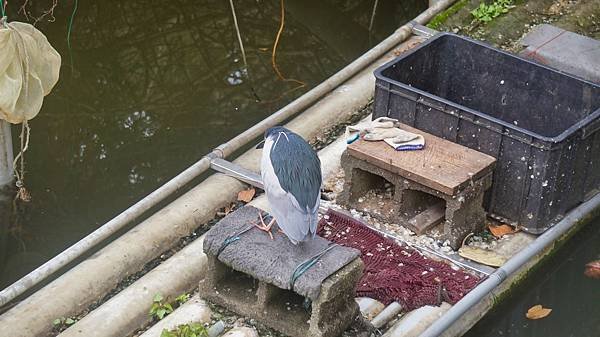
(385, 128)
(375, 127)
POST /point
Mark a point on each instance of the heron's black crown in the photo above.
(275, 130)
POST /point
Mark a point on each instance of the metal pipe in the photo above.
(6, 155)
(236, 171)
(222, 151)
(390, 312)
(511, 266)
(423, 31)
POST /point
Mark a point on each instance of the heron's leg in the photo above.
(264, 227)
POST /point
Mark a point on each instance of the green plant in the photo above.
(159, 309)
(63, 323)
(439, 19)
(186, 330)
(182, 298)
(486, 13)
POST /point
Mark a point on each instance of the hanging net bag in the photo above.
(29, 68)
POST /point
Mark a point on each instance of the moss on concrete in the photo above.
(439, 19)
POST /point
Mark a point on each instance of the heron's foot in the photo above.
(264, 227)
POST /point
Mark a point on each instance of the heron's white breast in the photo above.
(270, 180)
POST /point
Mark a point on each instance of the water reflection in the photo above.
(153, 86)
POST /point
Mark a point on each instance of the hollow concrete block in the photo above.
(247, 283)
(463, 212)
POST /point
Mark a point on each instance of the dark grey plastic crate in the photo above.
(540, 124)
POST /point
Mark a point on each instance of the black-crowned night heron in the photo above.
(291, 174)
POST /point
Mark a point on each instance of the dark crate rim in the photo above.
(592, 117)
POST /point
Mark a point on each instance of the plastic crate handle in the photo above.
(591, 128)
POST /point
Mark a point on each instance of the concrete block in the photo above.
(463, 211)
(252, 277)
(566, 51)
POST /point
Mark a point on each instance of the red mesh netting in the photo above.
(393, 272)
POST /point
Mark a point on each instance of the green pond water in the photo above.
(559, 284)
(155, 85)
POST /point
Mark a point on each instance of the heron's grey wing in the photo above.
(283, 206)
(298, 169)
(292, 221)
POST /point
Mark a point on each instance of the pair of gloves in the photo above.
(386, 129)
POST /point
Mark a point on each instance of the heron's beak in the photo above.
(261, 144)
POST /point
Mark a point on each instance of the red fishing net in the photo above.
(394, 272)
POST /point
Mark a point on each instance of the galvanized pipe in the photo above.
(511, 266)
(222, 151)
(6, 155)
(390, 312)
(236, 171)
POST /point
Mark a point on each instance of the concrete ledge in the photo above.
(566, 51)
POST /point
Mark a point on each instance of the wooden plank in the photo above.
(430, 217)
(442, 165)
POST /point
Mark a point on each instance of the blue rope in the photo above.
(235, 237)
(306, 265)
(231, 239)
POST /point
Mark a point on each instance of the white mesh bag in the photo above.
(29, 68)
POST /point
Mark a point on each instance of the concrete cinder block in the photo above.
(463, 213)
(566, 51)
(257, 285)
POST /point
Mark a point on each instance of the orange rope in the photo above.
(273, 62)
